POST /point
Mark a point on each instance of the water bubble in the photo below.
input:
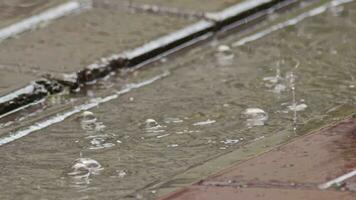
(224, 55)
(100, 142)
(224, 48)
(151, 123)
(83, 166)
(170, 120)
(121, 173)
(88, 117)
(255, 117)
(83, 169)
(152, 126)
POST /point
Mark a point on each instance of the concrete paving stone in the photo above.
(12, 11)
(197, 5)
(296, 170)
(13, 78)
(317, 158)
(230, 193)
(75, 41)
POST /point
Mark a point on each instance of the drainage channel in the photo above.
(238, 16)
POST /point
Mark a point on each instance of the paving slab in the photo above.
(75, 41)
(12, 77)
(212, 193)
(297, 170)
(12, 11)
(71, 43)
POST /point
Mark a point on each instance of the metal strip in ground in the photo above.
(159, 47)
(338, 180)
(62, 116)
(46, 16)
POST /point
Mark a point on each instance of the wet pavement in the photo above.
(208, 103)
(11, 11)
(99, 32)
(300, 169)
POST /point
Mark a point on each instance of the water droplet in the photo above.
(255, 117)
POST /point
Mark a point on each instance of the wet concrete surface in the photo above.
(214, 101)
(8, 83)
(296, 170)
(12, 11)
(198, 193)
(71, 43)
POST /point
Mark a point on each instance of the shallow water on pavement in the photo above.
(216, 99)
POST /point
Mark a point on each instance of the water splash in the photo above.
(224, 55)
(152, 126)
(231, 141)
(255, 117)
(170, 120)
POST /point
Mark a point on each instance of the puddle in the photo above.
(204, 108)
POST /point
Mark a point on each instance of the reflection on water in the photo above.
(203, 109)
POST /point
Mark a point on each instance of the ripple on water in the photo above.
(153, 128)
(83, 168)
(95, 129)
